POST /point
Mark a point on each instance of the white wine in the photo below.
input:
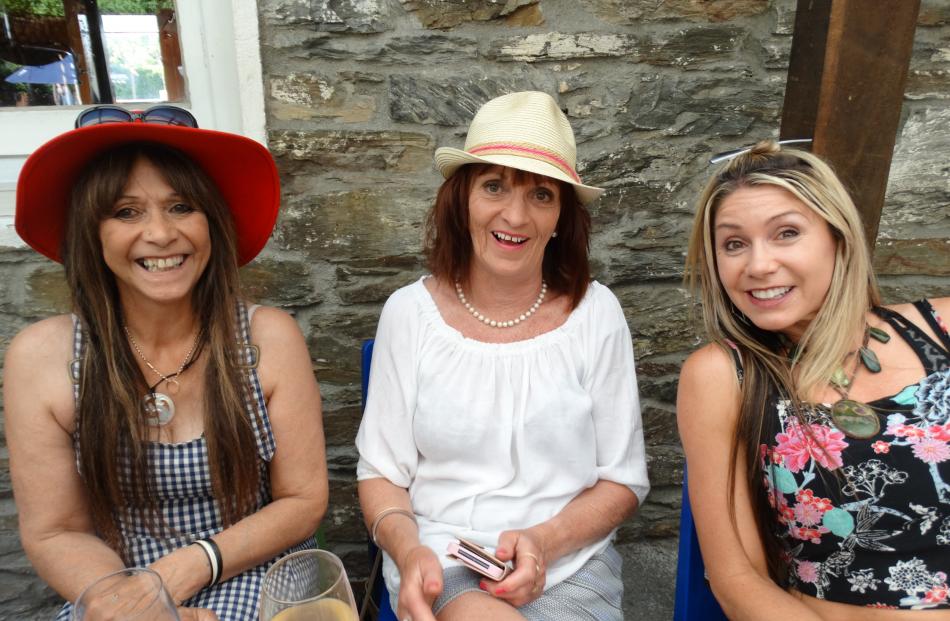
(321, 610)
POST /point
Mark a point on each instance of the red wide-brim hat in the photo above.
(242, 169)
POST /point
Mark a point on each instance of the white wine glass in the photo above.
(310, 585)
(133, 594)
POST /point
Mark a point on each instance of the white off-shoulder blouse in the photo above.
(489, 437)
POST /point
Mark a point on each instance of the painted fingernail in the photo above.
(500, 591)
(482, 586)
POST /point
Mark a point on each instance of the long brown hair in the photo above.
(767, 371)
(111, 428)
(448, 247)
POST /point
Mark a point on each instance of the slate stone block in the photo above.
(360, 16)
(451, 101)
(451, 13)
(304, 96)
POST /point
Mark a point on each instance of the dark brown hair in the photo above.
(111, 428)
(448, 246)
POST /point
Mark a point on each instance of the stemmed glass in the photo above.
(309, 585)
(134, 594)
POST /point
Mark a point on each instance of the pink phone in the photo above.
(479, 559)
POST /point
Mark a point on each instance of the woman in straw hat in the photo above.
(165, 423)
(503, 404)
(825, 415)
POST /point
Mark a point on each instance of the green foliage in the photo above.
(32, 7)
(112, 7)
(134, 7)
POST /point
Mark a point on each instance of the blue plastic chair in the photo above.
(694, 599)
(380, 596)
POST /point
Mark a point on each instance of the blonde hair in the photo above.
(853, 290)
(767, 371)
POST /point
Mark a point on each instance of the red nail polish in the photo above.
(500, 591)
(482, 586)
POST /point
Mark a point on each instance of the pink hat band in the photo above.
(525, 150)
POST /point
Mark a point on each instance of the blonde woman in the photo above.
(816, 422)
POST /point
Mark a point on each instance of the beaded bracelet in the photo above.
(386, 513)
(213, 552)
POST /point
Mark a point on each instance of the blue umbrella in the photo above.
(62, 71)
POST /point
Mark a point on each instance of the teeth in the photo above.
(162, 263)
(770, 294)
(509, 238)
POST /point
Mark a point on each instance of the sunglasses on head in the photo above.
(159, 115)
(728, 155)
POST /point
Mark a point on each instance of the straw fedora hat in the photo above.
(523, 130)
(242, 169)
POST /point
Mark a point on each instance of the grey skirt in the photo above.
(593, 593)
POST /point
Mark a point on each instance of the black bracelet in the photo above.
(213, 552)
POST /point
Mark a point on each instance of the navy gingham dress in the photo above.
(181, 478)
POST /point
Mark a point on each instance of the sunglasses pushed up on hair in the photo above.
(733, 153)
(159, 115)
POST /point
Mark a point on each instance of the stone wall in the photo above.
(361, 92)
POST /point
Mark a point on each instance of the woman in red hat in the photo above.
(165, 422)
(502, 407)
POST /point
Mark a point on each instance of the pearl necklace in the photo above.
(501, 324)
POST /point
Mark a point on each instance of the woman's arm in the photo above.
(298, 472)
(420, 572)
(707, 411)
(621, 473)
(55, 523)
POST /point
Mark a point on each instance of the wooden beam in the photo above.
(71, 12)
(845, 88)
(805, 64)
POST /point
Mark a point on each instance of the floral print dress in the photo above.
(867, 522)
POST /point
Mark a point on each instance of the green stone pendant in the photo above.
(869, 359)
(857, 420)
(840, 379)
(879, 335)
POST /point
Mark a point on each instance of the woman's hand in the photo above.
(184, 571)
(420, 584)
(526, 583)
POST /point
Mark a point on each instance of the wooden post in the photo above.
(171, 54)
(71, 12)
(846, 78)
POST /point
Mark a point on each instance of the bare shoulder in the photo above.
(942, 306)
(284, 356)
(45, 341)
(36, 372)
(708, 393)
(273, 325)
(709, 368)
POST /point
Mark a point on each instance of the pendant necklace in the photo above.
(159, 408)
(854, 418)
(501, 324)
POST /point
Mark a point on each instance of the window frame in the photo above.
(224, 81)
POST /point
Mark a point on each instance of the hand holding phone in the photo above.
(478, 559)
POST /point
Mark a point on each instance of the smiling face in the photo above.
(775, 257)
(511, 220)
(154, 242)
